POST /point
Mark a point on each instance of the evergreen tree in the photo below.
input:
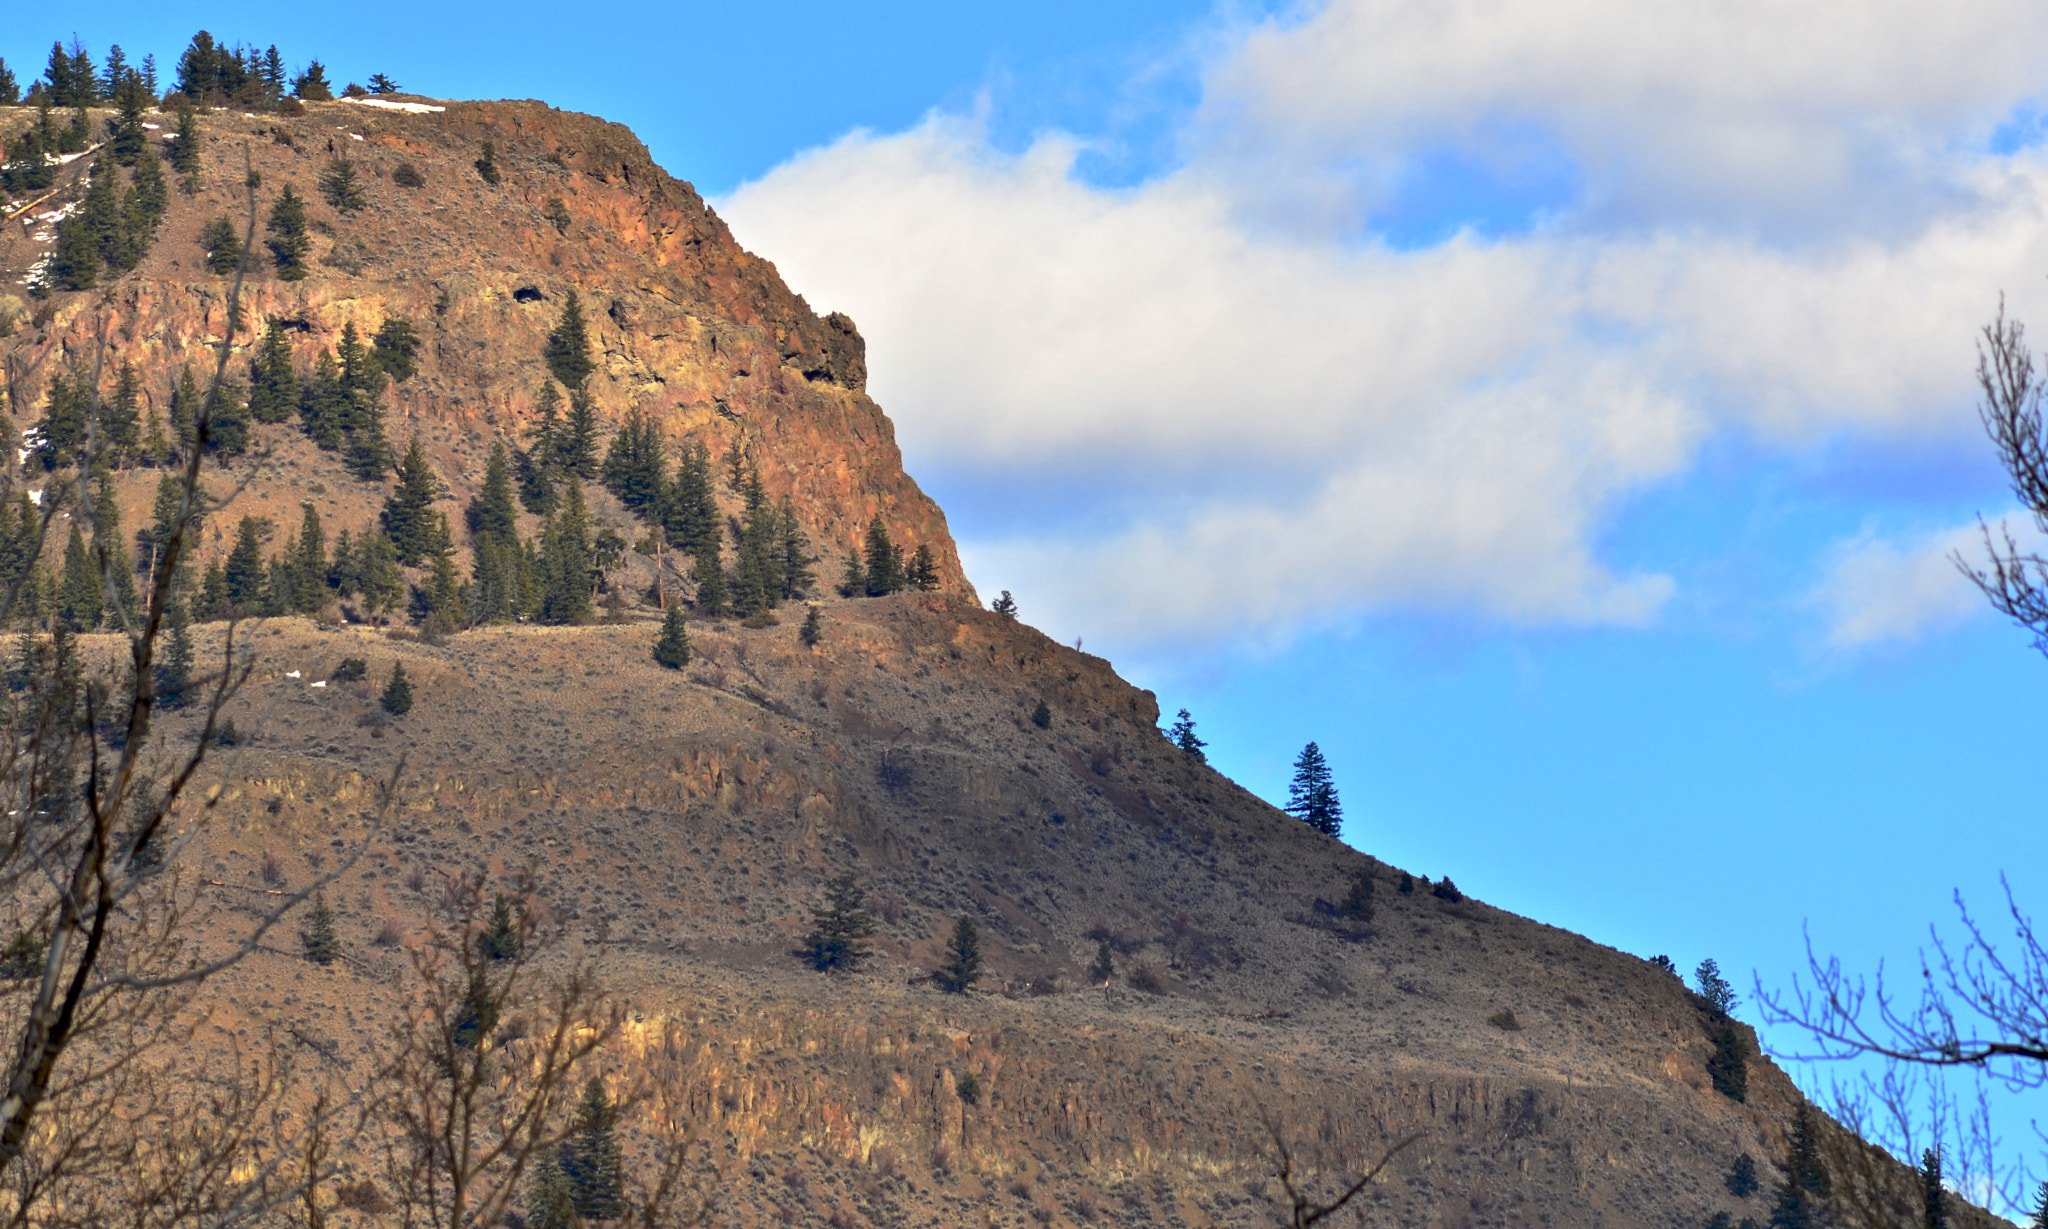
(126, 136)
(222, 244)
(311, 85)
(568, 348)
(690, 512)
(963, 959)
(396, 347)
(1932, 1195)
(2040, 1217)
(565, 560)
(62, 435)
(10, 86)
(273, 75)
(273, 386)
(578, 451)
(539, 469)
(308, 565)
(853, 580)
(813, 629)
(245, 572)
(1806, 1182)
(1714, 988)
(213, 593)
(382, 84)
(1741, 1180)
(883, 562)
(397, 697)
(1006, 606)
(840, 930)
(174, 669)
(341, 187)
(549, 1202)
(318, 939)
(1042, 716)
(672, 649)
(592, 1162)
(84, 238)
(291, 243)
(325, 408)
(80, 597)
(635, 469)
(1728, 1064)
(1105, 967)
(378, 579)
(487, 166)
(494, 511)
(1312, 795)
(186, 409)
(408, 518)
(500, 940)
(923, 573)
(110, 556)
(1183, 736)
(794, 554)
(708, 571)
(120, 419)
(185, 151)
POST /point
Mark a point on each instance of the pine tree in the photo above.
(2040, 1217)
(325, 404)
(318, 939)
(487, 166)
(1713, 987)
(924, 570)
(245, 572)
(397, 697)
(185, 151)
(500, 940)
(1183, 736)
(539, 464)
(408, 518)
(308, 565)
(672, 649)
(1806, 1177)
(10, 86)
(578, 452)
(222, 244)
(813, 629)
(396, 348)
(341, 188)
(565, 559)
(690, 511)
(568, 348)
(1006, 606)
(127, 137)
(120, 419)
(1312, 795)
(795, 553)
(80, 597)
(853, 579)
(1932, 1195)
(884, 564)
(494, 512)
(382, 84)
(174, 669)
(708, 571)
(1105, 967)
(311, 85)
(592, 1162)
(273, 386)
(186, 409)
(84, 237)
(549, 1202)
(634, 468)
(110, 556)
(963, 959)
(840, 930)
(1728, 1064)
(213, 593)
(291, 243)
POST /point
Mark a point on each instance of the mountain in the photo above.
(680, 826)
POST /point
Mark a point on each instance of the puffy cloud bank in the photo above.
(1785, 221)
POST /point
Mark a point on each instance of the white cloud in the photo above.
(1452, 426)
(1878, 589)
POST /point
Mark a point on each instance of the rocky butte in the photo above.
(679, 827)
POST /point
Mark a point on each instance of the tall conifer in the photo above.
(1312, 795)
(568, 348)
(408, 518)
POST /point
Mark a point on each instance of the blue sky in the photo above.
(1559, 411)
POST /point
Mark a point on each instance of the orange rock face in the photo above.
(688, 327)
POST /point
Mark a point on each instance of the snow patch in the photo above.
(385, 104)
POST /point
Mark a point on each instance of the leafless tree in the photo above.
(1313, 1197)
(2015, 580)
(484, 1063)
(104, 943)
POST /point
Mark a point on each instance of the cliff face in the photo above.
(689, 328)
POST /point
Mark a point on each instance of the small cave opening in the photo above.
(528, 294)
